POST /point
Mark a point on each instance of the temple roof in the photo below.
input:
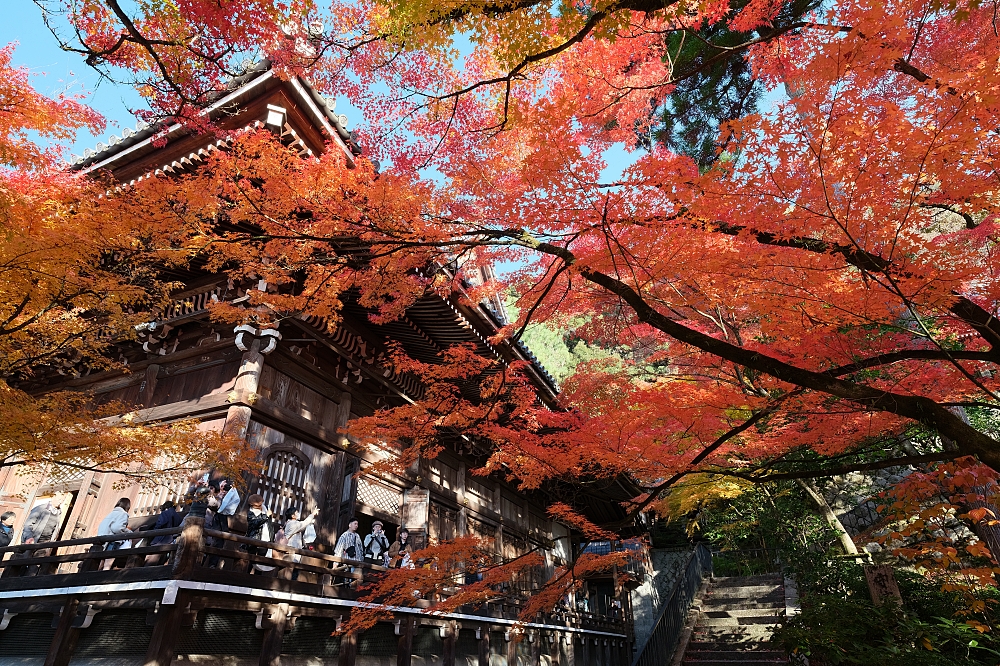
(305, 119)
(137, 143)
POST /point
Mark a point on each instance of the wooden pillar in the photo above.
(511, 649)
(462, 525)
(274, 633)
(536, 648)
(328, 525)
(189, 546)
(348, 650)
(148, 386)
(64, 642)
(161, 645)
(247, 382)
(404, 648)
(484, 646)
(450, 644)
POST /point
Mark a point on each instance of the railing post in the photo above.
(404, 646)
(484, 645)
(274, 633)
(64, 642)
(348, 649)
(189, 546)
(450, 644)
(160, 651)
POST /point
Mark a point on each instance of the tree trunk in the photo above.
(846, 542)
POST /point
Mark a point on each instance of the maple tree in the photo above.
(75, 278)
(828, 280)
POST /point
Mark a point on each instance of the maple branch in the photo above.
(976, 317)
(840, 469)
(904, 67)
(918, 408)
(970, 222)
(654, 493)
(910, 355)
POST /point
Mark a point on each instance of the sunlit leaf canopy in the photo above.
(821, 275)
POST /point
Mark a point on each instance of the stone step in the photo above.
(737, 658)
(767, 620)
(720, 646)
(743, 633)
(733, 605)
(714, 611)
(750, 592)
(739, 581)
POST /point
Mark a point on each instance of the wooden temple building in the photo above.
(293, 389)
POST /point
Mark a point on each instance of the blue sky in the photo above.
(55, 71)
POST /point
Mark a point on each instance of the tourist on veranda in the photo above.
(43, 521)
(227, 505)
(169, 518)
(294, 532)
(115, 524)
(349, 546)
(377, 546)
(295, 529)
(42, 525)
(401, 551)
(260, 526)
(6, 529)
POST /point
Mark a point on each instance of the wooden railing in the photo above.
(51, 557)
(196, 553)
(659, 648)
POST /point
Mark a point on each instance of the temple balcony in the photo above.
(203, 598)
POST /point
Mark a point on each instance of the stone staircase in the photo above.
(735, 620)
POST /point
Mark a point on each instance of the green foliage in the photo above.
(720, 90)
(768, 516)
(834, 629)
(773, 525)
(558, 352)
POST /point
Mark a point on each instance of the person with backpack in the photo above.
(377, 546)
(349, 544)
(401, 550)
(6, 528)
(260, 526)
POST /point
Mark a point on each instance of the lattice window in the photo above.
(443, 523)
(480, 491)
(282, 481)
(443, 474)
(514, 545)
(512, 510)
(538, 525)
(483, 530)
(150, 499)
(379, 496)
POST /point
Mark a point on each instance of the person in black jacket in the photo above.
(6, 529)
(168, 519)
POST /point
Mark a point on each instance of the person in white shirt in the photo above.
(227, 506)
(115, 523)
(349, 544)
(377, 546)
